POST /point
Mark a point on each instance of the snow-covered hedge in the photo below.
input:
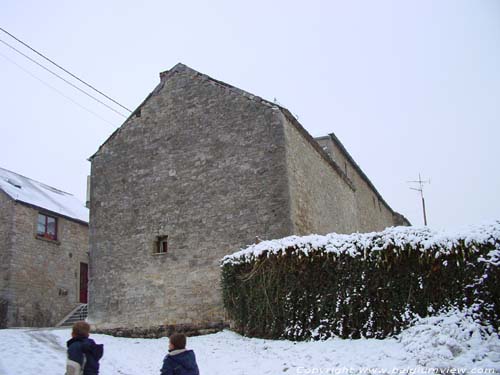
(361, 285)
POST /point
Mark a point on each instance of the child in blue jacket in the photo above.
(179, 361)
(83, 353)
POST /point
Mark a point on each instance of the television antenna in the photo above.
(420, 188)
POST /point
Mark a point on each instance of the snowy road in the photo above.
(450, 341)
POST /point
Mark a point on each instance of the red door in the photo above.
(84, 282)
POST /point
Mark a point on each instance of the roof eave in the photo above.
(334, 138)
(43, 209)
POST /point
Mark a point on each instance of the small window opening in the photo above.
(162, 244)
(47, 227)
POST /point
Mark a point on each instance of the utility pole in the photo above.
(420, 188)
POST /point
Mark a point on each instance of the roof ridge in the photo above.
(179, 67)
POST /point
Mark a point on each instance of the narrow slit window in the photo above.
(162, 245)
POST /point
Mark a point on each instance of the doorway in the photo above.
(84, 282)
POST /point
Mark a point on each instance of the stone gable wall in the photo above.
(200, 164)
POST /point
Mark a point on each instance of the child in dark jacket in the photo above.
(83, 353)
(179, 361)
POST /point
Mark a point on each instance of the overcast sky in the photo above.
(409, 87)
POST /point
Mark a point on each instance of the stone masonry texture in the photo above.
(40, 278)
(208, 167)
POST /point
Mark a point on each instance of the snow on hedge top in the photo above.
(29, 191)
(357, 243)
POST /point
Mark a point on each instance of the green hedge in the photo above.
(362, 285)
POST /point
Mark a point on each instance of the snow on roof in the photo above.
(26, 190)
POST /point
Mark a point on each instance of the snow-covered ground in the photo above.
(448, 341)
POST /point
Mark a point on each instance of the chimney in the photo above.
(163, 74)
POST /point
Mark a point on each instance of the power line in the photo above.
(57, 91)
(60, 67)
(61, 78)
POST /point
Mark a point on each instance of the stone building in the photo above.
(43, 252)
(197, 171)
